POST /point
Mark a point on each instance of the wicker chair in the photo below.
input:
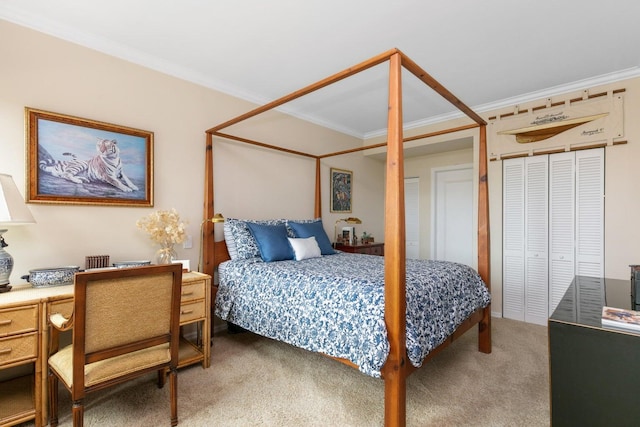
(125, 324)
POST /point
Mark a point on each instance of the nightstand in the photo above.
(195, 309)
(367, 248)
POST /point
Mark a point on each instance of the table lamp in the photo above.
(13, 211)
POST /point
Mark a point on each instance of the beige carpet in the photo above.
(254, 381)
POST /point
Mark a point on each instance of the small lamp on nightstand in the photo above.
(350, 220)
(13, 211)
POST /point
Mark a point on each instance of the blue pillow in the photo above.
(272, 241)
(315, 229)
(240, 243)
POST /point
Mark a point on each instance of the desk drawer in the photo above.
(21, 347)
(192, 311)
(18, 320)
(192, 291)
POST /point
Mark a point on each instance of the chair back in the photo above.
(124, 310)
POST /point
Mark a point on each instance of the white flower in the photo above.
(164, 227)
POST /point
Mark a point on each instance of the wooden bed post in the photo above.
(484, 248)
(394, 263)
(208, 241)
(317, 210)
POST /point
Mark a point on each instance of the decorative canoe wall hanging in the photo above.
(548, 126)
(578, 123)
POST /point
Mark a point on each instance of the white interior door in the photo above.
(513, 239)
(553, 229)
(412, 217)
(452, 230)
(561, 225)
(536, 238)
(590, 212)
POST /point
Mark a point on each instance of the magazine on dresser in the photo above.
(620, 318)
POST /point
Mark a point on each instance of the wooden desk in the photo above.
(593, 370)
(24, 337)
(39, 303)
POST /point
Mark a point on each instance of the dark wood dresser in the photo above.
(367, 248)
(594, 371)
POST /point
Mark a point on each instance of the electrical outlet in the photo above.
(188, 242)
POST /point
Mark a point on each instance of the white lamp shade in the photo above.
(13, 209)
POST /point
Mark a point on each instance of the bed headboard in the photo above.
(221, 254)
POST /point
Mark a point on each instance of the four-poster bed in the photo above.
(396, 368)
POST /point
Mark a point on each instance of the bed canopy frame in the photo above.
(397, 367)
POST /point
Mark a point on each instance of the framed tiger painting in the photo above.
(71, 160)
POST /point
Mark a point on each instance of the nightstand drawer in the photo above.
(192, 291)
(18, 320)
(192, 311)
(21, 347)
(376, 250)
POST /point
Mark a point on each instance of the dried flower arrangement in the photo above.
(165, 228)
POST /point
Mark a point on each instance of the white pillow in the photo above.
(305, 248)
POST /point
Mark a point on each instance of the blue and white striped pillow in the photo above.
(240, 243)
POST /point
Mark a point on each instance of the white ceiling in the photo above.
(490, 54)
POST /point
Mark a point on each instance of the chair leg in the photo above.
(53, 399)
(77, 412)
(173, 386)
(162, 375)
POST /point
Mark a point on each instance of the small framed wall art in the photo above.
(71, 160)
(341, 190)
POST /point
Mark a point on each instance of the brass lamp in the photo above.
(350, 220)
(13, 211)
(217, 218)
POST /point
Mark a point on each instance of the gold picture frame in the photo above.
(73, 160)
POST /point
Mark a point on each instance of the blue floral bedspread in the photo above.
(335, 304)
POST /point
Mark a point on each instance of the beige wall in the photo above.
(43, 72)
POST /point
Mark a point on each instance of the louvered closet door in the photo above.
(513, 239)
(553, 219)
(561, 225)
(536, 273)
(590, 212)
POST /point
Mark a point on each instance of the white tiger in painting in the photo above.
(105, 167)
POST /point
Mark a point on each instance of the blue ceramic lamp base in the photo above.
(6, 265)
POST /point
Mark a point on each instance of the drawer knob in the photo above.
(5, 322)
(186, 311)
(187, 293)
(5, 350)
